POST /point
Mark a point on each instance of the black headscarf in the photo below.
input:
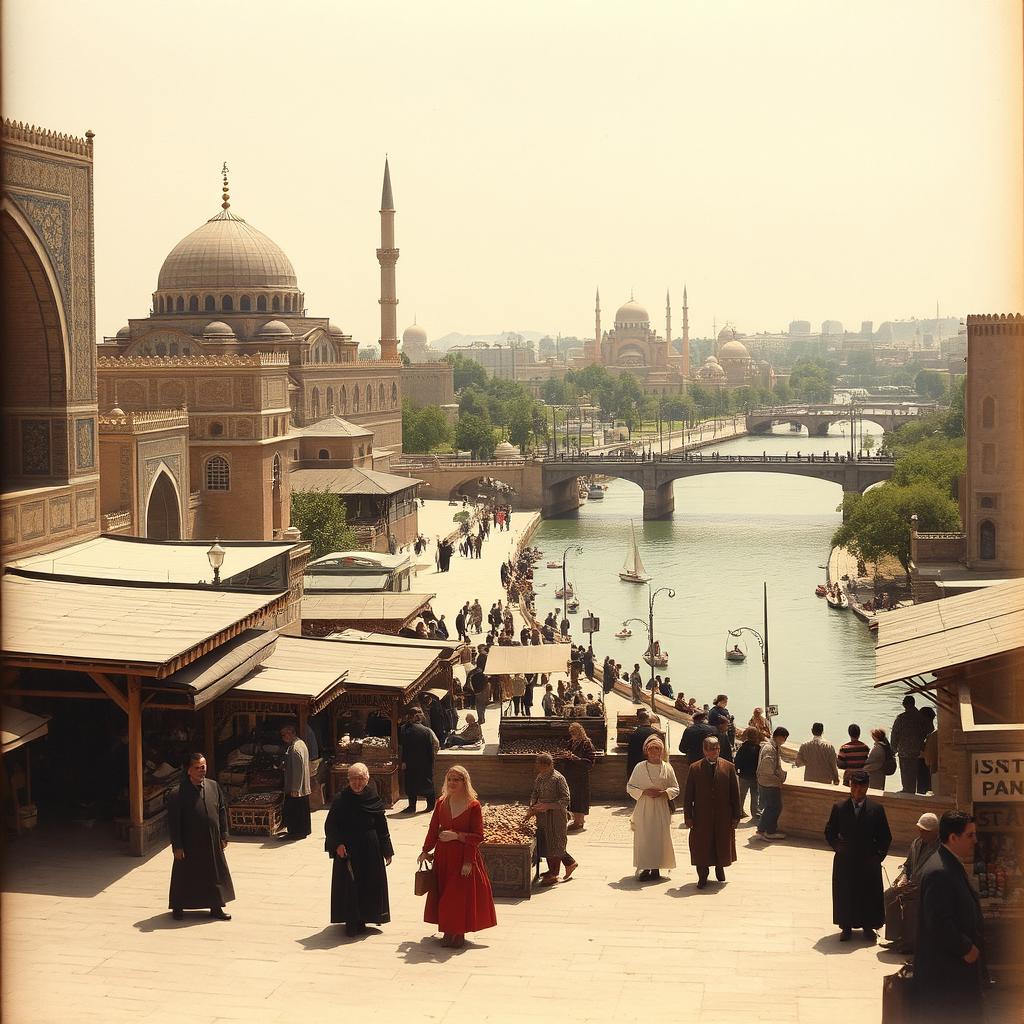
(348, 803)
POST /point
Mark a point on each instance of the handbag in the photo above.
(897, 995)
(424, 881)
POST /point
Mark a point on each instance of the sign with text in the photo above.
(997, 777)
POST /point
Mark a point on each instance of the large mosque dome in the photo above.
(414, 335)
(733, 350)
(632, 313)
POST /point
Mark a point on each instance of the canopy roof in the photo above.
(338, 582)
(535, 658)
(350, 481)
(940, 634)
(140, 630)
(298, 669)
(333, 426)
(376, 607)
(387, 640)
(376, 661)
(145, 561)
(18, 727)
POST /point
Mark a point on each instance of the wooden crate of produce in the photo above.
(255, 819)
(509, 867)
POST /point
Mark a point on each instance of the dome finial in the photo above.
(225, 197)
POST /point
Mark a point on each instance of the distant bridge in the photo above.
(552, 484)
(818, 418)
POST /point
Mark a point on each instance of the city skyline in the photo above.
(783, 164)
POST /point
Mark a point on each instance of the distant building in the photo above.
(800, 327)
(507, 361)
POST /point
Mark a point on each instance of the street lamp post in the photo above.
(762, 642)
(651, 598)
(216, 557)
(565, 555)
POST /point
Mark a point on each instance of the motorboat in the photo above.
(624, 633)
(595, 492)
(633, 568)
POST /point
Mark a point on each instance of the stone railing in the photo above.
(118, 522)
(228, 359)
(18, 131)
(158, 419)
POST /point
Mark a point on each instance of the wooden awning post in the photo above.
(135, 810)
(209, 740)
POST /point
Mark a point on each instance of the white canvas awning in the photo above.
(18, 727)
(503, 661)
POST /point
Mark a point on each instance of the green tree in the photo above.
(466, 371)
(931, 385)
(425, 430)
(937, 459)
(812, 380)
(877, 522)
(475, 434)
(321, 517)
(554, 391)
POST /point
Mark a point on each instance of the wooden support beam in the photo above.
(134, 708)
(111, 689)
(209, 739)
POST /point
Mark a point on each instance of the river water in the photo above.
(729, 534)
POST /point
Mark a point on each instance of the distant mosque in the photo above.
(415, 345)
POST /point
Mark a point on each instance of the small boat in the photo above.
(572, 606)
(735, 654)
(566, 592)
(554, 565)
(633, 568)
(821, 590)
(837, 600)
(624, 633)
(656, 660)
(595, 492)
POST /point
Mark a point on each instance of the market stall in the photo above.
(18, 728)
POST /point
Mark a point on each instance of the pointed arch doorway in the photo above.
(163, 519)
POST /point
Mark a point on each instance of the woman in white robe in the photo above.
(652, 784)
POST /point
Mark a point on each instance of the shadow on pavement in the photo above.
(163, 922)
(430, 950)
(831, 946)
(334, 935)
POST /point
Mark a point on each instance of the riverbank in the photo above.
(862, 590)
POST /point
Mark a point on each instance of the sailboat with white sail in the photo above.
(633, 568)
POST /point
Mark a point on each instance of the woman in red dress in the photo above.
(462, 901)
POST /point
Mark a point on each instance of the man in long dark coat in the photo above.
(359, 844)
(637, 738)
(949, 970)
(858, 831)
(711, 810)
(419, 745)
(197, 818)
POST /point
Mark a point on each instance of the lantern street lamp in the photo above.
(216, 557)
(565, 597)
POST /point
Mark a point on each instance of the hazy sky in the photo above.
(791, 159)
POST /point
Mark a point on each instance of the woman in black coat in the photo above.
(359, 844)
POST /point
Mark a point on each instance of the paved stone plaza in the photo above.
(87, 936)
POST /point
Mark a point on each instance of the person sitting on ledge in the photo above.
(470, 736)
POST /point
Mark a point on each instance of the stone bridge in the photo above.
(552, 484)
(818, 418)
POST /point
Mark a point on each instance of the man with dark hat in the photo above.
(197, 819)
(858, 831)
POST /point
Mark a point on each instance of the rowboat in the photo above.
(624, 633)
(554, 565)
(633, 568)
(821, 590)
(838, 601)
(595, 492)
(566, 592)
(656, 660)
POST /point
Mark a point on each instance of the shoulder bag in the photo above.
(425, 880)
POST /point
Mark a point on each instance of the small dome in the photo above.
(116, 413)
(631, 313)
(711, 359)
(733, 350)
(414, 335)
(505, 450)
(124, 332)
(332, 329)
(218, 329)
(274, 329)
(710, 370)
(727, 333)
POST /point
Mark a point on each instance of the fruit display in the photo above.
(507, 824)
(556, 747)
(257, 799)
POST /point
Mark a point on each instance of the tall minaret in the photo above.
(686, 336)
(597, 326)
(668, 325)
(387, 257)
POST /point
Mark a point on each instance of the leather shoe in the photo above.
(177, 913)
(220, 914)
(869, 934)
(720, 874)
(845, 935)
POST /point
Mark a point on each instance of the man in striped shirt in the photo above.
(852, 754)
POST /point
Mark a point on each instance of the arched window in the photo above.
(218, 474)
(343, 400)
(226, 304)
(261, 303)
(369, 398)
(160, 304)
(193, 303)
(988, 412)
(394, 396)
(355, 399)
(245, 303)
(330, 401)
(324, 454)
(216, 429)
(209, 304)
(275, 471)
(174, 348)
(287, 303)
(275, 305)
(987, 540)
(161, 348)
(316, 403)
(179, 304)
(380, 397)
